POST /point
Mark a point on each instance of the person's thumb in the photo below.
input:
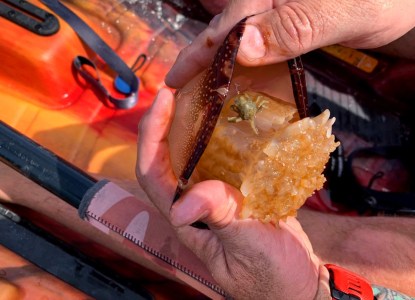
(279, 34)
(212, 202)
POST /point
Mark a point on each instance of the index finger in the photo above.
(198, 55)
(153, 169)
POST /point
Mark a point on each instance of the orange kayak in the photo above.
(43, 97)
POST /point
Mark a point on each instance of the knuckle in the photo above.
(296, 28)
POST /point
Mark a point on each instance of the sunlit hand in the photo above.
(249, 259)
(283, 29)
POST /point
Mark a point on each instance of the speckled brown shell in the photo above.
(198, 106)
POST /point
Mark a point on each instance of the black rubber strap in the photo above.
(29, 16)
(98, 45)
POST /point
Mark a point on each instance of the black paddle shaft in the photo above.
(43, 166)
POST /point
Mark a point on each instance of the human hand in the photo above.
(282, 29)
(249, 259)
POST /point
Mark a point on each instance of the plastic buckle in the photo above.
(346, 285)
(29, 16)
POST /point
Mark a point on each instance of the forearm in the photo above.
(380, 249)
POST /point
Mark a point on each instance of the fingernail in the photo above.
(252, 44)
